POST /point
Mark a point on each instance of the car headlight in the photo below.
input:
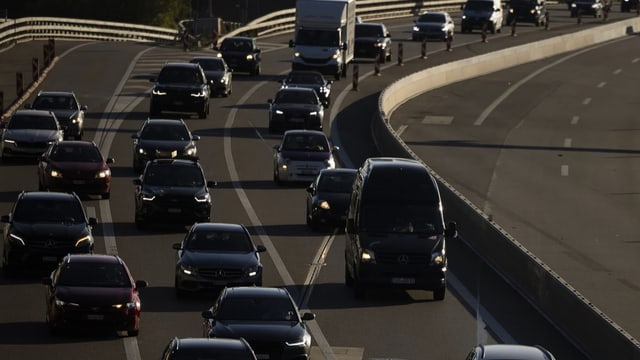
(128, 305)
(595, 6)
(191, 151)
(573, 5)
(61, 303)
(330, 163)
(142, 151)
(201, 198)
(368, 256)
(55, 173)
(188, 269)
(296, 54)
(437, 258)
(415, 28)
(83, 240)
(17, 240)
(9, 141)
(532, 11)
(219, 55)
(313, 113)
(200, 93)
(249, 57)
(251, 271)
(324, 205)
(336, 55)
(158, 92)
(223, 80)
(279, 112)
(103, 174)
(510, 11)
(147, 197)
(464, 17)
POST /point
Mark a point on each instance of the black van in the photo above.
(395, 232)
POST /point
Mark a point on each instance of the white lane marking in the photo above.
(635, 60)
(567, 142)
(315, 330)
(617, 71)
(586, 101)
(602, 84)
(401, 130)
(575, 119)
(131, 349)
(564, 170)
(483, 116)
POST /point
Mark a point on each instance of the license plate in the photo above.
(49, 258)
(78, 182)
(296, 120)
(174, 210)
(178, 103)
(95, 317)
(403, 281)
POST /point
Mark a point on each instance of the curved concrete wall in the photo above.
(589, 328)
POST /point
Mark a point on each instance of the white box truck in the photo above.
(324, 36)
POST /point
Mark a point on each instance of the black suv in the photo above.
(172, 190)
(180, 87)
(527, 11)
(163, 138)
(241, 54)
(310, 79)
(43, 227)
(372, 40)
(587, 7)
(65, 106)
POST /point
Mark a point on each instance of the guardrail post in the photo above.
(400, 54)
(483, 33)
(376, 64)
(354, 85)
(35, 69)
(546, 20)
(52, 48)
(46, 54)
(513, 27)
(423, 49)
(19, 86)
(449, 40)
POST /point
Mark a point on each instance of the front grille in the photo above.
(273, 348)
(220, 273)
(403, 259)
(315, 61)
(32, 145)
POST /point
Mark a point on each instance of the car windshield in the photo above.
(296, 97)
(165, 132)
(210, 65)
(479, 5)
(207, 352)
(432, 18)
(71, 153)
(55, 102)
(179, 75)
(180, 176)
(236, 45)
(304, 78)
(317, 37)
(257, 309)
(368, 31)
(400, 217)
(93, 275)
(305, 142)
(226, 241)
(336, 182)
(48, 210)
(36, 122)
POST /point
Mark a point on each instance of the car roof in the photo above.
(256, 291)
(93, 259)
(185, 64)
(339, 171)
(76, 143)
(56, 93)
(238, 38)
(218, 227)
(48, 195)
(33, 112)
(165, 122)
(226, 344)
(303, 131)
(298, 89)
(513, 351)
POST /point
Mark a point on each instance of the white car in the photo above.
(301, 156)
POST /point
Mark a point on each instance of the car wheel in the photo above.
(276, 178)
(438, 294)
(179, 292)
(348, 279)
(308, 218)
(140, 224)
(358, 290)
(51, 326)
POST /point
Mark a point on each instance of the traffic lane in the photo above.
(534, 141)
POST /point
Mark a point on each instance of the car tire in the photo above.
(140, 223)
(314, 224)
(179, 292)
(348, 279)
(438, 294)
(358, 290)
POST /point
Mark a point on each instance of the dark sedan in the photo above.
(29, 133)
(373, 41)
(218, 74)
(43, 227)
(93, 291)
(180, 87)
(310, 79)
(328, 197)
(215, 255)
(65, 105)
(266, 317)
(163, 139)
(241, 54)
(295, 108)
(208, 349)
(76, 166)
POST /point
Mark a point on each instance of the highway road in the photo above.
(112, 79)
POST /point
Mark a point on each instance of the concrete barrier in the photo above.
(582, 322)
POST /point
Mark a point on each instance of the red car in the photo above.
(75, 166)
(89, 290)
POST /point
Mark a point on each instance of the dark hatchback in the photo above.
(208, 349)
(372, 40)
(310, 79)
(295, 108)
(180, 87)
(266, 317)
(527, 11)
(87, 291)
(163, 139)
(215, 255)
(586, 7)
(65, 105)
(172, 191)
(75, 166)
(328, 197)
(28, 134)
(241, 53)
(218, 74)
(43, 227)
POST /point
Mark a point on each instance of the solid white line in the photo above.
(575, 119)
(567, 142)
(635, 60)
(586, 101)
(564, 170)
(602, 84)
(617, 71)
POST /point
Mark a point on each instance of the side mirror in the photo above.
(176, 246)
(93, 221)
(207, 314)
(308, 316)
(195, 137)
(141, 284)
(261, 248)
(212, 184)
(135, 136)
(110, 160)
(451, 230)
(310, 189)
(276, 147)
(269, 101)
(84, 107)
(137, 182)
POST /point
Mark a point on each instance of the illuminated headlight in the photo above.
(191, 151)
(129, 305)
(16, 239)
(223, 80)
(158, 92)
(437, 258)
(250, 57)
(511, 11)
(336, 55)
(296, 54)
(377, 44)
(9, 141)
(188, 269)
(55, 173)
(103, 174)
(52, 141)
(142, 151)
(299, 343)
(464, 17)
(595, 6)
(444, 28)
(415, 28)
(573, 5)
(532, 11)
(202, 197)
(200, 93)
(82, 241)
(219, 55)
(313, 113)
(330, 163)
(61, 303)
(367, 256)
(148, 197)
(324, 205)
(251, 271)
(279, 112)
(74, 120)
